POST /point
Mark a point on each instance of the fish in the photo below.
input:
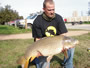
(48, 46)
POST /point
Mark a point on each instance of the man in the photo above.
(50, 24)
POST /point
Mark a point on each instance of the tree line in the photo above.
(7, 14)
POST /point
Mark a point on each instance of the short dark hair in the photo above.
(49, 1)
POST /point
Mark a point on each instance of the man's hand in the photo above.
(49, 58)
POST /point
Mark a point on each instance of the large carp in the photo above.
(47, 46)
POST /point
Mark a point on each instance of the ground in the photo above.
(29, 35)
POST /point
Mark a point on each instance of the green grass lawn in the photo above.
(5, 29)
(11, 50)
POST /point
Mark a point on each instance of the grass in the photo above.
(86, 22)
(77, 30)
(11, 50)
(5, 29)
(82, 57)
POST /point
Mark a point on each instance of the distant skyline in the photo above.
(63, 7)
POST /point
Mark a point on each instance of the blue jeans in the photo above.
(36, 62)
(69, 61)
(41, 62)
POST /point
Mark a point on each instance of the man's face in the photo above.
(49, 10)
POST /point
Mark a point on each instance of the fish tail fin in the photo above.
(26, 63)
(21, 60)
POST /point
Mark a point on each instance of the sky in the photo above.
(63, 7)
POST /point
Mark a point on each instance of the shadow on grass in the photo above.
(19, 66)
(59, 60)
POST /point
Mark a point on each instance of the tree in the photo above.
(7, 14)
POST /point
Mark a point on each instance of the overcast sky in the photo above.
(63, 7)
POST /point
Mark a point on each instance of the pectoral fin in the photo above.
(65, 53)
